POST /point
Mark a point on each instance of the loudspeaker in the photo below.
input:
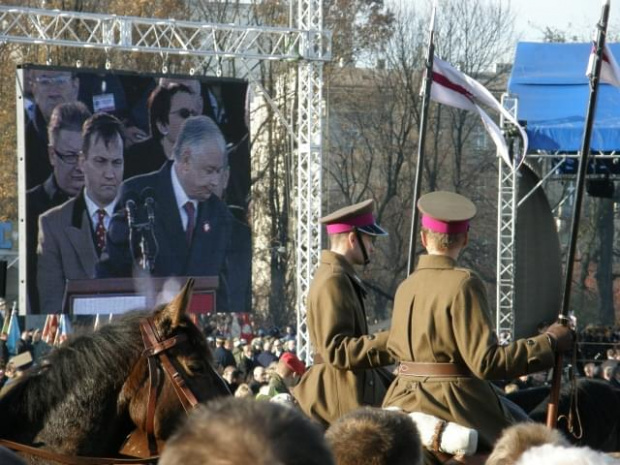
(3, 268)
(603, 188)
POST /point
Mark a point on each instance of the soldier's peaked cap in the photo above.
(358, 216)
(446, 212)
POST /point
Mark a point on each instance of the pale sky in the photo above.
(578, 16)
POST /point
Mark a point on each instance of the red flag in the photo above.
(64, 329)
(50, 329)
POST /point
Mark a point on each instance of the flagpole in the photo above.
(428, 80)
(552, 407)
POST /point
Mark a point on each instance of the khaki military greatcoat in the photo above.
(339, 334)
(441, 315)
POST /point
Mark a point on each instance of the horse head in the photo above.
(174, 374)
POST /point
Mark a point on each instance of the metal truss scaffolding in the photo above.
(308, 44)
(506, 218)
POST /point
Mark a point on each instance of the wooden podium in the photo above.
(119, 295)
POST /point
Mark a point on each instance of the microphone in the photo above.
(130, 211)
(147, 194)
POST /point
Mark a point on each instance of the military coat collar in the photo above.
(441, 262)
(336, 260)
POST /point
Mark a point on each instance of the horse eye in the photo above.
(196, 368)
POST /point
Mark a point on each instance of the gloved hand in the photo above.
(563, 336)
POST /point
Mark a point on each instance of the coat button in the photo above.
(531, 342)
(371, 337)
(371, 382)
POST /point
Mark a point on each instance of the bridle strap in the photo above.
(154, 348)
(72, 459)
(153, 345)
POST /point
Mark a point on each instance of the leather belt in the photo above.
(436, 370)
(317, 359)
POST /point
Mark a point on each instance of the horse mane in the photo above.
(103, 358)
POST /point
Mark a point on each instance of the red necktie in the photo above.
(100, 231)
(191, 221)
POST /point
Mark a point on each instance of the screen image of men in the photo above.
(49, 89)
(443, 337)
(344, 375)
(72, 235)
(66, 180)
(190, 233)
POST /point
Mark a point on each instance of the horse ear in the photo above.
(180, 304)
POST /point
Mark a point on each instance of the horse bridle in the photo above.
(154, 349)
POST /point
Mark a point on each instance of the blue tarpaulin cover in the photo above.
(550, 82)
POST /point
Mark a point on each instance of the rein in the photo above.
(154, 349)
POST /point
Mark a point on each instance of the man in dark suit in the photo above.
(49, 89)
(190, 232)
(72, 235)
(66, 180)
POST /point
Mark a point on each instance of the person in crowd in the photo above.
(248, 362)
(190, 230)
(4, 350)
(168, 108)
(278, 348)
(615, 376)
(40, 348)
(287, 373)
(518, 438)
(243, 431)
(343, 376)
(443, 336)
(72, 236)
(290, 346)
(233, 378)
(372, 436)
(24, 344)
(552, 454)
(266, 357)
(49, 88)
(65, 143)
(591, 370)
(223, 355)
(244, 390)
(607, 370)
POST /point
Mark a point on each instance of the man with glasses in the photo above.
(72, 235)
(344, 375)
(169, 107)
(65, 142)
(191, 225)
(49, 89)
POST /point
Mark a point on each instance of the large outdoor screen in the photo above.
(165, 195)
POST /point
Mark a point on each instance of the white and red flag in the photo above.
(610, 72)
(456, 89)
(64, 329)
(49, 330)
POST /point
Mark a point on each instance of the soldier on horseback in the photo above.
(443, 336)
(344, 376)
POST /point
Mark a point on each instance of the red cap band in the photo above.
(443, 227)
(361, 220)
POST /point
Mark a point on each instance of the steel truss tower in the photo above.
(308, 44)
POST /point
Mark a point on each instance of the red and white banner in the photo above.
(64, 329)
(610, 72)
(49, 330)
(456, 89)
